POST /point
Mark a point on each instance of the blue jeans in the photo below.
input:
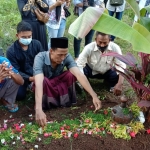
(110, 76)
(118, 15)
(54, 33)
(77, 43)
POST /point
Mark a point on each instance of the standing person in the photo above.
(94, 65)
(57, 20)
(81, 5)
(117, 10)
(53, 85)
(21, 55)
(10, 80)
(28, 15)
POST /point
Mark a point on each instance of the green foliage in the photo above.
(135, 109)
(10, 17)
(125, 111)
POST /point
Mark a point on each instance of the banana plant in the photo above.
(99, 20)
(138, 75)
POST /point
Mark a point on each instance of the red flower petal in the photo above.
(76, 135)
(148, 131)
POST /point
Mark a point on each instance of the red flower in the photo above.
(18, 129)
(61, 128)
(87, 120)
(63, 133)
(15, 125)
(148, 131)
(105, 112)
(132, 134)
(76, 135)
(46, 134)
(102, 129)
(67, 127)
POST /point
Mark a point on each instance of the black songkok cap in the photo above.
(61, 42)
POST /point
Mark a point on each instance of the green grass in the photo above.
(10, 17)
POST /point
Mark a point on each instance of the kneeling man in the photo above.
(53, 85)
(94, 65)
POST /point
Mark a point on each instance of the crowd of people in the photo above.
(37, 63)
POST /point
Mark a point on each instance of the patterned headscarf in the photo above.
(31, 3)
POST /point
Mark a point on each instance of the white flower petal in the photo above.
(36, 146)
(2, 141)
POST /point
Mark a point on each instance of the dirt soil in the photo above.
(83, 142)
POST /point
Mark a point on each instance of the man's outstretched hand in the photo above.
(40, 117)
(117, 89)
(97, 103)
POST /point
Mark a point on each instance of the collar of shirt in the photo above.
(109, 48)
(47, 59)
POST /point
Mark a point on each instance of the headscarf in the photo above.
(32, 3)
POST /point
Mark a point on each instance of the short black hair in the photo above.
(23, 26)
(103, 34)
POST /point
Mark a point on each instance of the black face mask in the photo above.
(102, 49)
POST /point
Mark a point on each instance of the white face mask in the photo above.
(25, 41)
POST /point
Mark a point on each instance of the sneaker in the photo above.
(111, 90)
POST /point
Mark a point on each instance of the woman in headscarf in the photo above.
(28, 15)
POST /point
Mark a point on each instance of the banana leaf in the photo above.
(97, 19)
(142, 30)
(135, 7)
(144, 10)
(145, 21)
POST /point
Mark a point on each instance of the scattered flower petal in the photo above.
(5, 121)
(132, 134)
(36, 146)
(18, 138)
(46, 134)
(13, 143)
(76, 135)
(5, 126)
(2, 141)
(85, 130)
(148, 131)
(40, 139)
(21, 125)
(30, 115)
(69, 134)
(12, 137)
(40, 130)
(30, 123)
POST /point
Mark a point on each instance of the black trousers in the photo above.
(110, 76)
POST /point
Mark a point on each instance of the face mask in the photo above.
(25, 41)
(102, 49)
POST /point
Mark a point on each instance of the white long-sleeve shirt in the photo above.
(99, 64)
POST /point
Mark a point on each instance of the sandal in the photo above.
(12, 107)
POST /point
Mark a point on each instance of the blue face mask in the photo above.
(25, 41)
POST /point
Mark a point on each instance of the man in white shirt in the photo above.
(94, 65)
